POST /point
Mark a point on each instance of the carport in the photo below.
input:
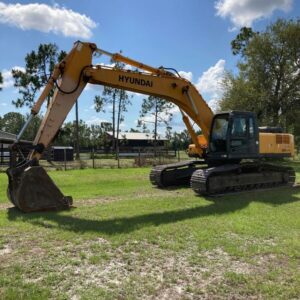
(6, 140)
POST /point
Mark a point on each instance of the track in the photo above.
(221, 180)
(236, 178)
(174, 174)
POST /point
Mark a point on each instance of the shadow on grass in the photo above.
(119, 225)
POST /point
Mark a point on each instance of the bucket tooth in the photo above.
(31, 189)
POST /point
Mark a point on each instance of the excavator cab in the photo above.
(234, 136)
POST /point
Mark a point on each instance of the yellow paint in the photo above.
(276, 143)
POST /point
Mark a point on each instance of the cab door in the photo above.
(243, 136)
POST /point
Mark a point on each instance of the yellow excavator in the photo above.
(231, 146)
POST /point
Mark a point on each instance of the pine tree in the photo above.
(160, 113)
(38, 68)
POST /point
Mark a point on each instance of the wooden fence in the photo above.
(99, 158)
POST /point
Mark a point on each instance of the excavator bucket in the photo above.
(31, 189)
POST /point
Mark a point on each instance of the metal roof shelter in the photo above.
(5, 136)
(138, 141)
(137, 136)
(9, 138)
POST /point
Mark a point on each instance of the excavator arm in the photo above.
(69, 80)
(76, 70)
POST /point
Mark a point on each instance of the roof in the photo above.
(137, 136)
(10, 137)
(62, 147)
(7, 136)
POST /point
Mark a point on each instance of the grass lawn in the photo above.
(128, 240)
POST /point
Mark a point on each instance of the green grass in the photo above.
(128, 240)
(90, 183)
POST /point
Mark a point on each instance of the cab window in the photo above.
(219, 134)
(239, 127)
(251, 127)
(219, 131)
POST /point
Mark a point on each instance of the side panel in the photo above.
(276, 145)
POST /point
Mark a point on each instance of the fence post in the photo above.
(65, 158)
(139, 157)
(12, 157)
(93, 157)
(2, 154)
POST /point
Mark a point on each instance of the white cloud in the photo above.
(8, 80)
(134, 94)
(3, 104)
(210, 81)
(186, 75)
(129, 67)
(47, 18)
(214, 104)
(146, 119)
(244, 12)
(174, 110)
(95, 88)
(108, 107)
(149, 119)
(96, 121)
(106, 65)
(112, 65)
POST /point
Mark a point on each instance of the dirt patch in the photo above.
(167, 275)
(95, 201)
(5, 250)
(154, 194)
(152, 272)
(4, 206)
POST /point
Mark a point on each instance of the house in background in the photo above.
(138, 141)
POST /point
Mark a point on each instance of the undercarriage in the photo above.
(223, 179)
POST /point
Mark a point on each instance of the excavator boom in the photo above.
(76, 70)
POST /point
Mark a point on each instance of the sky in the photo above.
(192, 36)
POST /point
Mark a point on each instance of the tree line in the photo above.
(90, 136)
